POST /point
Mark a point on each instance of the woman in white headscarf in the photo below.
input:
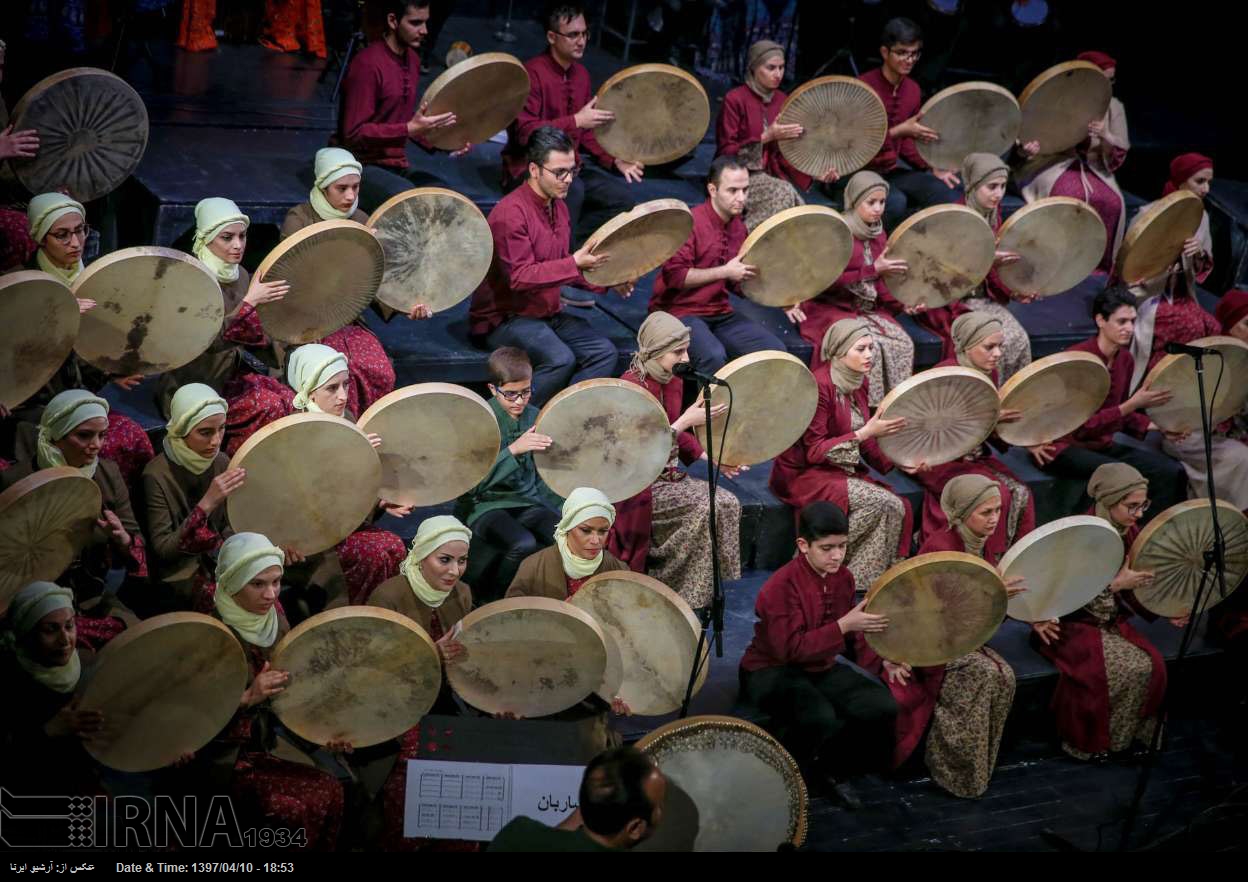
(580, 550)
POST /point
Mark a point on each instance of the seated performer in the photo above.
(829, 462)
(1077, 455)
(71, 433)
(861, 292)
(620, 805)
(1086, 172)
(429, 591)
(184, 490)
(664, 529)
(518, 302)
(512, 509)
(914, 183)
(43, 731)
(267, 790)
(834, 721)
(58, 226)
(242, 363)
(580, 550)
(378, 114)
(693, 284)
(1232, 316)
(560, 96)
(984, 176)
(335, 193)
(980, 343)
(1112, 678)
(747, 129)
(966, 701)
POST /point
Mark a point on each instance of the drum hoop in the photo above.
(467, 66)
(852, 82)
(137, 251)
(599, 382)
(928, 375)
(903, 567)
(40, 479)
(380, 211)
(1045, 76)
(629, 72)
(764, 229)
(969, 86)
(1042, 206)
(1138, 547)
(282, 248)
(420, 390)
(622, 220)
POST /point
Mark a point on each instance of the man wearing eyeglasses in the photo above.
(519, 302)
(914, 183)
(561, 95)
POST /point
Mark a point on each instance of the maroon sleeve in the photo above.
(783, 626)
(827, 429)
(197, 535)
(908, 149)
(584, 92)
(515, 252)
(730, 134)
(245, 328)
(136, 556)
(359, 102)
(532, 115)
(677, 267)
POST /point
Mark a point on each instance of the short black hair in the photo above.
(819, 519)
(613, 790)
(548, 140)
(722, 164)
(900, 32)
(1111, 299)
(508, 364)
(557, 13)
(400, 7)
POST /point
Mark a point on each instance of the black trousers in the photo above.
(1167, 482)
(517, 532)
(835, 722)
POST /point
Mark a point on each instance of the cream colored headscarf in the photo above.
(242, 557)
(433, 534)
(31, 604)
(979, 169)
(332, 163)
(583, 504)
(191, 405)
(860, 186)
(759, 52)
(959, 500)
(213, 215)
(311, 367)
(837, 341)
(658, 335)
(968, 331)
(1111, 483)
(64, 413)
(42, 212)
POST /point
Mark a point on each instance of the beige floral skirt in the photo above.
(965, 734)
(680, 545)
(876, 516)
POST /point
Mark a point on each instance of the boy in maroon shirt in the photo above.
(835, 721)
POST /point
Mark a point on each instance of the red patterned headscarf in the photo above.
(1182, 168)
(1101, 59)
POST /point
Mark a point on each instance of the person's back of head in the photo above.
(621, 798)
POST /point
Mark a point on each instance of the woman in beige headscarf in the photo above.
(984, 176)
(747, 129)
(861, 292)
(1112, 678)
(663, 530)
(966, 701)
(829, 462)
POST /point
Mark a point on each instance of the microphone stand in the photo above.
(716, 618)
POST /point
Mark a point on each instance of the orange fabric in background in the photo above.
(195, 33)
(290, 23)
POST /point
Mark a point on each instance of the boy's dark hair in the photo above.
(900, 32)
(558, 13)
(548, 140)
(819, 519)
(508, 364)
(1110, 299)
(399, 7)
(613, 790)
(722, 164)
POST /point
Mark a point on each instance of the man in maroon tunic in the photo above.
(518, 304)
(693, 284)
(1077, 455)
(560, 95)
(914, 184)
(377, 114)
(835, 721)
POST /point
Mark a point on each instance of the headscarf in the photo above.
(64, 413)
(583, 504)
(433, 534)
(213, 215)
(31, 604)
(1182, 168)
(969, 330)
(859, 187)
(1101, 59)
(1231, 308)
(1111, 483)
(191, 405)
(242, 557)
(658, 335)
(311, 367)
(759, 52)
(979, 169)
(42, 212)
(837, 341)
(959, 500)
(332, 163)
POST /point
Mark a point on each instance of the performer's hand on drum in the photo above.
(1182, 621)
(632, 171)
(737, 271)
(878, 427)
(590, 117)
(292, 556)
(914, 128)
(267, 684)
(897, 673)
(449, 647)
(1015, 585)
(1047, 631)
(339, 746)
(625, 290)
(462, 151)
(85, 305)
(859, 620)
(1043, 454)
(779, 131)
(1192, 247)
(1030, 149)
(375, 440)
(729, 471)
(184, 760)
(1129, 580)
(1005, 258)
(946, 176)
(1176, 437)
(127, 383)
(71, 721)
(887, 266)
(1010, 416)
(916, 469)
(620, 707)
(111, 524)
(795, 314)
(695, 415)
(586, 259)
(530, 441)
(420, 123)
(221, 487)
(831, 176)
(1025, 297)
(260, 292)
(19, 145)
(1096, 128)
(916, 308)
(395, 509)
(420, 311)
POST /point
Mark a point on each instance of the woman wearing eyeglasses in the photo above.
(1112, 678)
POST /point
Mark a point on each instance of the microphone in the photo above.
(1184, 349)
(685, 369)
